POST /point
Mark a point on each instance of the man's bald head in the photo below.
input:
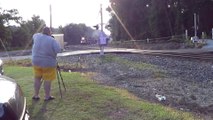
(46, 31)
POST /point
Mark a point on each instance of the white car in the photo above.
(12, 101)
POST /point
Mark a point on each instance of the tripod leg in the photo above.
(62, 80)
(59, 84)
(59, 72)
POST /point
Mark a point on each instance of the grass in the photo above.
(138, 65)
(87, 100)
(157, 73)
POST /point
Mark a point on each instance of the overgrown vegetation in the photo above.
(158, 18)
(157, 74)
(141, 66)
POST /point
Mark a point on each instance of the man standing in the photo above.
(44, 53)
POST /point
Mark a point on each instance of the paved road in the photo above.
(78, 52)
(209, 44)
(114, 50)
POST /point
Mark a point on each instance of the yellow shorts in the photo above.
(46, 73)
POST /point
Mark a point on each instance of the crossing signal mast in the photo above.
(101, 10)
(101, 13)
(102, 36)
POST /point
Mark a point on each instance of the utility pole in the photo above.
(195, 24)
(102, 37)
(50, 17)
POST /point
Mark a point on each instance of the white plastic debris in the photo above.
(160, 97)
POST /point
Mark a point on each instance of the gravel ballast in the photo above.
(186, 84)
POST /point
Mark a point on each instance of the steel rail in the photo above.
(207, 56)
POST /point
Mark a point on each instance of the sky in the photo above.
(63, 11)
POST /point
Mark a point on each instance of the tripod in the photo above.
(60, 78)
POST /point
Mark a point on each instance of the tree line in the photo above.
(130, 19)
(20, 35)
(142, 19)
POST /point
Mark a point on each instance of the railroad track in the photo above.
(207, 56)
(199, 54)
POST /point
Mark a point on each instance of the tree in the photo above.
(158, 18)
(22, 35)
(74, 32)
(5, 17)
(35, 25)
